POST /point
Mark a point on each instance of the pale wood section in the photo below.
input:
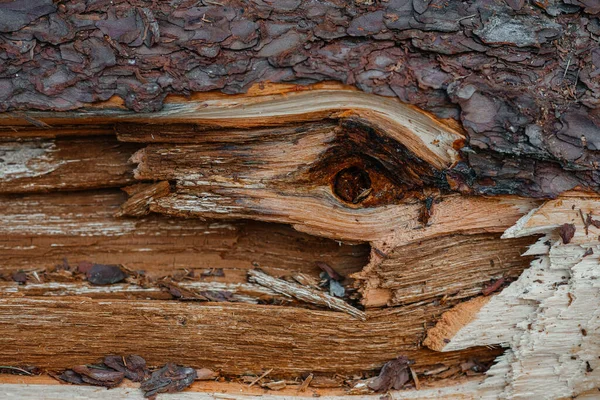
(65, 164)
(548, 316)
(39, 231)
(452, 267)
(419, 131)
(30, 388)
(232, 337)
(453, 321)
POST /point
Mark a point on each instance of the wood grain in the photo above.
(65, 164)
(235, 338)
(450, 267)
(38, 231)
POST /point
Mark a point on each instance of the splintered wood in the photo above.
(547, 318)
(220, 214)
(304, 293)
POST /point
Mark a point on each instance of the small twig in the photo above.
(260, 377)
(467, 17)
(415, 378)
(567, 67)
(15, 369)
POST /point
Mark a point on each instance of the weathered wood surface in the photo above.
(39, 231)
(520, 76)
(452, 267)
(93, 162)
(233, 337)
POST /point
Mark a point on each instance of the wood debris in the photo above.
(168, 379)
(304, 293)
(393, 375)
(566, 232)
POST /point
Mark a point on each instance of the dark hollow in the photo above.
(351, 183)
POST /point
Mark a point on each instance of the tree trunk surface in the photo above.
(307, 198)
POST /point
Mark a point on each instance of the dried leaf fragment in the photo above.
(566, 232)
(168, 379)
(393, 375)
(99, 376)
(70, 376)
(134, 367)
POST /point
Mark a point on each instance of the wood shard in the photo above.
(456, 266)
(304, 293)
(138, 204)
(451, 322)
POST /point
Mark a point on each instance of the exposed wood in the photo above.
(39, 231)
(386, 185)
(545, 317)
(232, 337)
(304, 293)
(449, 267)
(420, 132)
(9, 133)
(319, 212)
(65, 164)
(240, 292)
(30, 387)
(142, 196)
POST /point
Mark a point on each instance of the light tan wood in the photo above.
(547, 317)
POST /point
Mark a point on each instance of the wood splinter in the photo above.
(305, 294)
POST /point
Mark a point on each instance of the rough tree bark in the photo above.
(303, 190)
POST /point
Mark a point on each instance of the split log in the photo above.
(388, 186)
